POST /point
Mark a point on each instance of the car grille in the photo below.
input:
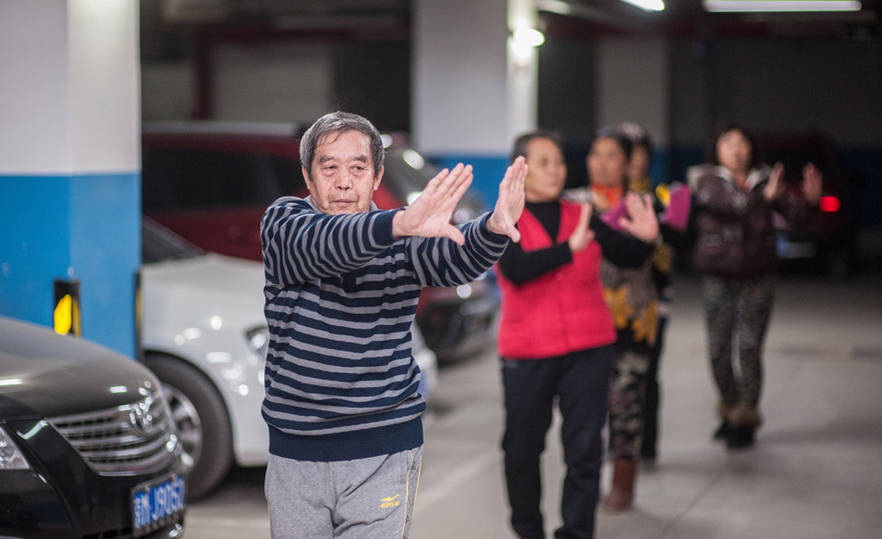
(130, 439)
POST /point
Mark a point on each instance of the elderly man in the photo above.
(342, 284)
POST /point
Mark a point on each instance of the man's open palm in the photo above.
(429, 215)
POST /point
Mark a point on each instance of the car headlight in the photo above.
(258, 339)
(10, 456)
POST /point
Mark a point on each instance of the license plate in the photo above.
(156, 504)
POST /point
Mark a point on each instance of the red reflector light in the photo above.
(829, 204)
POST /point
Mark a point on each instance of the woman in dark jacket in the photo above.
(556, 337)
(734, 198)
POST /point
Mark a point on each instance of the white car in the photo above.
(204, 335)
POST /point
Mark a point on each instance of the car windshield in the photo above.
(159, 244)
(408, 173)
(187, 178)
(411, 172)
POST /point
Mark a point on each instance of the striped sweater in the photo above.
(341, 294)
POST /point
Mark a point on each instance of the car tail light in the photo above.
(829, 204)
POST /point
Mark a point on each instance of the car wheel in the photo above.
(201, 419)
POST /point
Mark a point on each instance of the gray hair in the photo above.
(338, 122)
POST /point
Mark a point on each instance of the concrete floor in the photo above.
(816, 471)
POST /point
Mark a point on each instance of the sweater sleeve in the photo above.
(300, 243)
(442, 262)
(521, 267)
(620, 248)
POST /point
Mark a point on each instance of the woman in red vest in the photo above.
(556, 336)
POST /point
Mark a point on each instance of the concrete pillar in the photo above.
(70, 161)
(634, 85)
(471, 93)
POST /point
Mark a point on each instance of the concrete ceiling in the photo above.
(681, 17)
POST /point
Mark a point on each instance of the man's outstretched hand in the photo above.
(510, 203)
(429, 215)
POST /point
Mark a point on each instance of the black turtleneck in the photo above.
(520, 266)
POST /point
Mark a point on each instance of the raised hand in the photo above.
(775, 185)
(812, 183)
(510, 203)
(582, 235)
(429, 215)
(641, 221)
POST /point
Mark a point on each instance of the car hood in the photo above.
(44, 374)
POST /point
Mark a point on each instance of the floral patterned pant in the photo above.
(737, 310)
(626, 404)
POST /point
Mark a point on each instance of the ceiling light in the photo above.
(781, 5)
(528, 37)
(648, 5)
(524, 41)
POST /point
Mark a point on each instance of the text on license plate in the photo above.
(154, 503)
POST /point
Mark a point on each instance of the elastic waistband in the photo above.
(351, 445)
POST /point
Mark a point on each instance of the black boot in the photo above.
(743, 420)
(722, 432)
(740, 437)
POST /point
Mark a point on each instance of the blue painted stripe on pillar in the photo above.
(488, 171)
(34, 245)
(106, 254)
(84, 227)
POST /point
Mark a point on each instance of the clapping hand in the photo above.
(582, 235)
(510, 203)
(775, 186)
(641, 221)
(812, 183)
(429, 215)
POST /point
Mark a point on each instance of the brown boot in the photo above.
(621, 495)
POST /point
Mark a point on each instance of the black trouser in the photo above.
(651, 399)
(581, 382)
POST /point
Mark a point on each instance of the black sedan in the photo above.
(87, 444)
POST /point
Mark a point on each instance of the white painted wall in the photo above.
(33, 88)
(69, 87)
(104, 86)
(460, 90)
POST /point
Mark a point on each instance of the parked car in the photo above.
(88, 446)
(210, 182)
(828, 242)
(205, 337)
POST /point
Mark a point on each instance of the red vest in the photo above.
(560, 312)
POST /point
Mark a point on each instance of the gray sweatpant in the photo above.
(368, 498)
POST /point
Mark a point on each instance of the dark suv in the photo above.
(88, 448)
(210, 182)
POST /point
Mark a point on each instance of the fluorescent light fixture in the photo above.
(648, 5)
(781, 5)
